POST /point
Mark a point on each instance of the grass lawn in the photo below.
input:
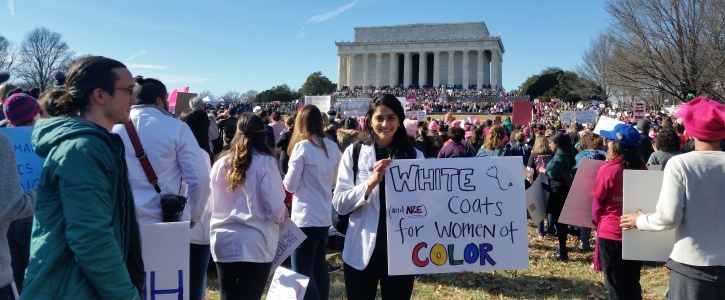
(545, 279)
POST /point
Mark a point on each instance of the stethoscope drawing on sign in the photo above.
(493, 173)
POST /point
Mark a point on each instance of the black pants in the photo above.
(7, 293)
(242, 280)
(621, 277)
(363, 285)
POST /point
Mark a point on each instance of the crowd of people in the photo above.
(116, 158)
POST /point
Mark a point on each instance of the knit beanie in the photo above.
(704, 119)
(20, 108)
(411, 127)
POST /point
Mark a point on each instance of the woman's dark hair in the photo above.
(401, 146)
(350, 123)
(667, 140)
(563, 143)
(198, 122)
(147, 90)
(477, 135)
(457, 134)
(250, 137)
(631, 157)
(85, 76)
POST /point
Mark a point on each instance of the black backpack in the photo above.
(344, 220)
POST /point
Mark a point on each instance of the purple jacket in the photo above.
(455, 149)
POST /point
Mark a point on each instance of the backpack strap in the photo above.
(355, 157)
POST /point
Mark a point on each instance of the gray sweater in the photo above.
(14, 204)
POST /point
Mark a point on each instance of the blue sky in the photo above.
(224, 45)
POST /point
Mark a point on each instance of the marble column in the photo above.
(407, 69)
(495, 69)
(465, 70)
(351, 79)
(422, 69)
(366, 68)
(378, 69)
(486, 67)
(436, 69)
(340, 71)
(393, 69)
(451, 67)
(479, 69)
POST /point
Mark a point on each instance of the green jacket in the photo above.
(559, 164)
(85, 229)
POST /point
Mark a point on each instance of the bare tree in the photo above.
(233, 96)
(7, 54)
(670, 46)
(42, 52)
(249, 96)
(205, 93)
(596, 66)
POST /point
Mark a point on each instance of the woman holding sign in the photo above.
(620, 276)
(247, 205)
(562, 162)
(362, 195)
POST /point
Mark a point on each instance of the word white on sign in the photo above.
(642, 191)
(322, 102)
(454, 215)
(166, 260)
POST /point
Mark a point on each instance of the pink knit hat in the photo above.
(433, 126)
(411, 127)
(704, 119)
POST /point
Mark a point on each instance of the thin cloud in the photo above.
(11, 8)
(136, 55)
(302, 34)
(145, 66)
(331, 14)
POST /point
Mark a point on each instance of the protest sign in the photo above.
(182, 102)
(322, 102)
(640, 110)
(166, 260)
(536, 198)
(522, 112)
(403, 102)
(587, 116)
(423, 115)
(287, 284)
(568, 116)
(578, 206)
(454, 215)
(412, 114)
(290, 237)
(642, 191)
(172, 97)
(30, 165)
(354, 108)
(606, 123)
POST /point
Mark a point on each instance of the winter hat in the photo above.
(643, 125)
(433, 126)
(20, 109)
(527, 132)
(4, 76)
(256, 109)
(59, 80)
(624, 134)
(411, 127)
(704, 119)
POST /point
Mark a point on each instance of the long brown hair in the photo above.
(495, 137)
(308, 125)
(250, 137)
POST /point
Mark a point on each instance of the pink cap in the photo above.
(411, 127)
(704, 119)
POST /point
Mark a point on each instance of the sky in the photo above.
(241, 45)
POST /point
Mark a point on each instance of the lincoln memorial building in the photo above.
(462, 54)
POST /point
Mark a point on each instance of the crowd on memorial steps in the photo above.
(117, 157)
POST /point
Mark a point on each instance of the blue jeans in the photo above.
(198, 263)
(585, 234)
(550, 228)
(309, 260)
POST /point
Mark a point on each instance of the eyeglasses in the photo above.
(129, 90)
